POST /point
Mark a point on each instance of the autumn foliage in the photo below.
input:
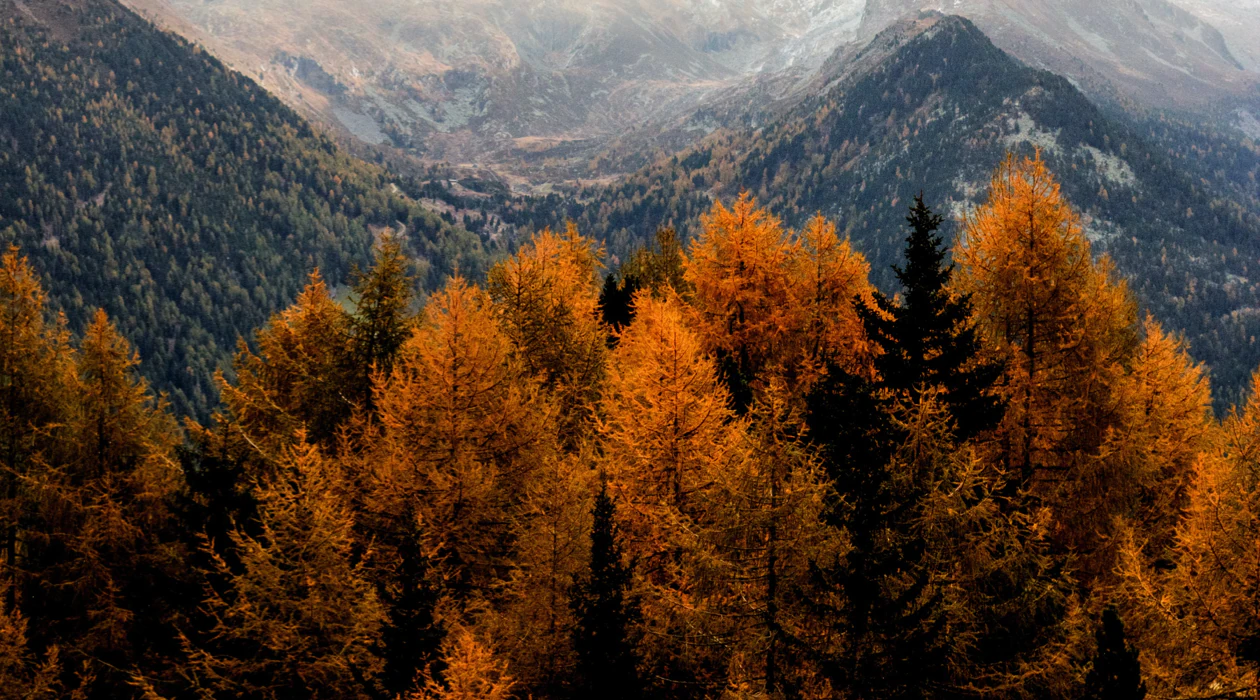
(725, 469)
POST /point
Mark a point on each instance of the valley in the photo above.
(678, 349)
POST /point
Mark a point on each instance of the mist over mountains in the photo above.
(519, 85)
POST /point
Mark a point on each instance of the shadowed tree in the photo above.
(603, 638)
(1116, 672)
(926, 338)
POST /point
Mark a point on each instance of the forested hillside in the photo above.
(739, 472)
(1174, 205)
(143, 177)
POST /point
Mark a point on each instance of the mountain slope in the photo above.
(143, 177)
(504, 81)
(1151, 51)
(537, 89)
(934, 106)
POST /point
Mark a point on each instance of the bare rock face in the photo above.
(540, 88)
(498, 80)
(1157, 53)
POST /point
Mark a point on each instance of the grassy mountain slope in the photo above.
(142, 176)
(937, 113)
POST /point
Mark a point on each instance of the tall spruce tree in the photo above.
(927, 339)
(616, 300)
(881, 589)
(877, 593)
(1116, 673)
(382, 320)
(411, 637)
(606, 657)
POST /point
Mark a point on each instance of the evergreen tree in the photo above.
(653, 268)
(1116, 672)
(616, 300)
(883, 583)
(411, 637)
(878, 592)
(382, 319)
(928, 339)
(659, 267)
(607, 660)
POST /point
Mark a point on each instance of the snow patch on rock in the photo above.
(1113, 169)
(1025, 130)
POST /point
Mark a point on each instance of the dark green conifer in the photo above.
(927, 339)
(411, 637)
(895, 644)
(616, 300)
(1116, 672)
(607, 661)
(382, 318)
(896, 624)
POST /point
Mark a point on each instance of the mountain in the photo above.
(933, 105)
(538, 89)
(506, 81)
(142, 176)
(1154, 52)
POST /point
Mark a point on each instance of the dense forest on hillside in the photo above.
(732, 469)
(141, 176)
(1174, 205)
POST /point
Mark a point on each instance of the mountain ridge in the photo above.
(937, 116)
(142, 176)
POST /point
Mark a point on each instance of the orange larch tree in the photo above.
(547, 300)
(299, 375)
(1065, 327)
(1194, 610)
(772, 302)
(666, 435)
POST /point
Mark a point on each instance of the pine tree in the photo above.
(881, 590)
(656, 269)
(616, 300)
(534, 620)
(1116, 672)
(829, 283)
(301, 376)
(382, 318)
(928, 338)
(297, 615)
(410, 591)
(603, 636)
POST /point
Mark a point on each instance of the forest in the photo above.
(142, 176)
(731, 469)
(1178, 216)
